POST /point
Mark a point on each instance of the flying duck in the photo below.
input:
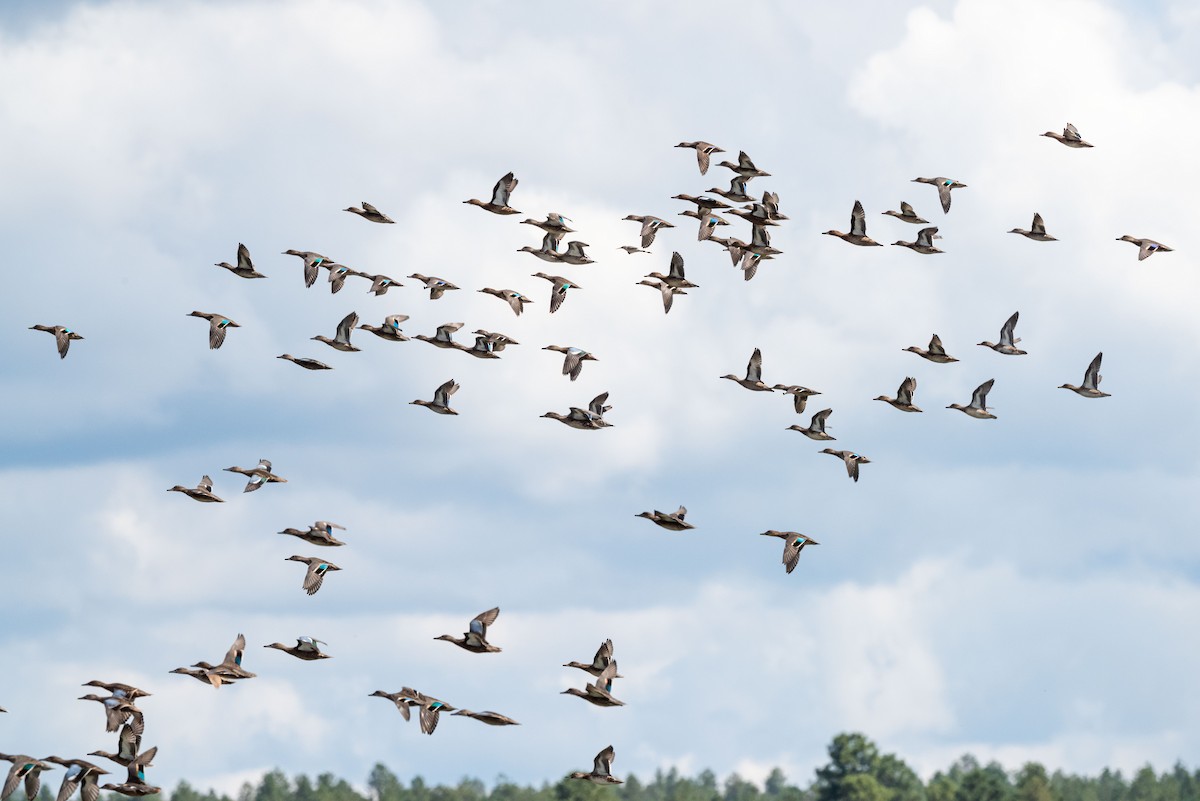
(670, 521)
(202, 491)
(369, 212)
(258, 476)
(978, 407)
(793, 544)
(559, 292)
(1091, 381)
(906, 214)
(1146, 247)
(500, 194)
(703, 151)
(1036, 232)
(601, 769)
(944, 185)
(63, 336)
(924, 243)
(245, 267)
(852, 460)
(903, 399)
(306, 648)
(512, 297)
(390, 330)
(436, 286)
(307, 364)
(217, 325)
(1007, 345)
(475, 638)
(936, 352)
(753, 379)
(573, 359)
(317, 568)
(858, 228)
(816, 429)
(441, 399)
(1069, 137)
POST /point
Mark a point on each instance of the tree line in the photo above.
(856, 771)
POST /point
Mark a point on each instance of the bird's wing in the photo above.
(858, 220)
(63, 340)
(1006, 333)
(429, 719)
(441, 396)
(944, 196)
(14, 779)
(205, 484)
(907, 387)
(573, 364)
(597, 405)
(1038, 227)
(557, 296)
(818, 420)
(33, 783)
(367, 207)
(1071, 132)
(485, 619)
(313, 578)
(70, 783)
(925, 236)
(754, 368)
(603, 655)
(979, 396)
(603, 762)
(791, 553)
(216, 333)
(906, 209)
(935, 346)
(1091, 377)
(243, 260)
(234, 655)
(502, 190)
(345, 327)
(681, 513)
(676, 265)
(668, 297)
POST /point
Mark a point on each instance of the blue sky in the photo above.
(1016, 588)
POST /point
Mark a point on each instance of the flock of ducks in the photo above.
(762, 214)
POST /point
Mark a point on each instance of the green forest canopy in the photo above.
(856, 771)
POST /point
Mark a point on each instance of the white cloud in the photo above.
(967, 592)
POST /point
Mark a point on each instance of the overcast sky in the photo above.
(1023, 588)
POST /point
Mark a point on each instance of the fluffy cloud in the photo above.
(968, 591)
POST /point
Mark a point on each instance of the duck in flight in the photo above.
(936, 353)
(704, 151)
(816, 428)
(1091, 381)
(475, 638)
(1036, 232)
(753, 380)
(944, 185)
(1069, 137)
(793, 544)
(500, 194)
(852, 460)
(1007, 345)
(369, 212)
(858, 228)
(63, 336)
(978, 407)
(245, 267)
